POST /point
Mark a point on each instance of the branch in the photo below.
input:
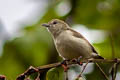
(106, 77)
(49, 66)
(116, 67)
(32, 70)
(82, 71)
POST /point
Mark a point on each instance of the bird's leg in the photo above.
(64, 65)
(78, 60)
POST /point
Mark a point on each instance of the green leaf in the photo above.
(55, 74)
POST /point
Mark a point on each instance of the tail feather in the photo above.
(99, 57)
(96, 56)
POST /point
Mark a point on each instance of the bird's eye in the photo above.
(54, 22)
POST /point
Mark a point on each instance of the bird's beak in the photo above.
(46, 25)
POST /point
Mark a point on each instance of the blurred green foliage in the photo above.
(35, 47)
(55, 74)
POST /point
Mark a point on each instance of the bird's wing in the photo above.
(78, 35)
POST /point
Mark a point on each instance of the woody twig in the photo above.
(32, 70)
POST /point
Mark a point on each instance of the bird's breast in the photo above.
(70, 47)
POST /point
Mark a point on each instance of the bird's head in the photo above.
(56, 26)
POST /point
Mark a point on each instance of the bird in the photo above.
(69, 43)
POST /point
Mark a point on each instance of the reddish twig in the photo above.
(28, 72)
(32, 70)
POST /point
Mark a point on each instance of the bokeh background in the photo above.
(24, 42)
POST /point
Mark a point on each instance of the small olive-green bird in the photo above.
(69, 43)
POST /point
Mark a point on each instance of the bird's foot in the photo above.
(78, 60)
(64, 65)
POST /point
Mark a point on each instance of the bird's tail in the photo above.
(99, 57)
(96, 56)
